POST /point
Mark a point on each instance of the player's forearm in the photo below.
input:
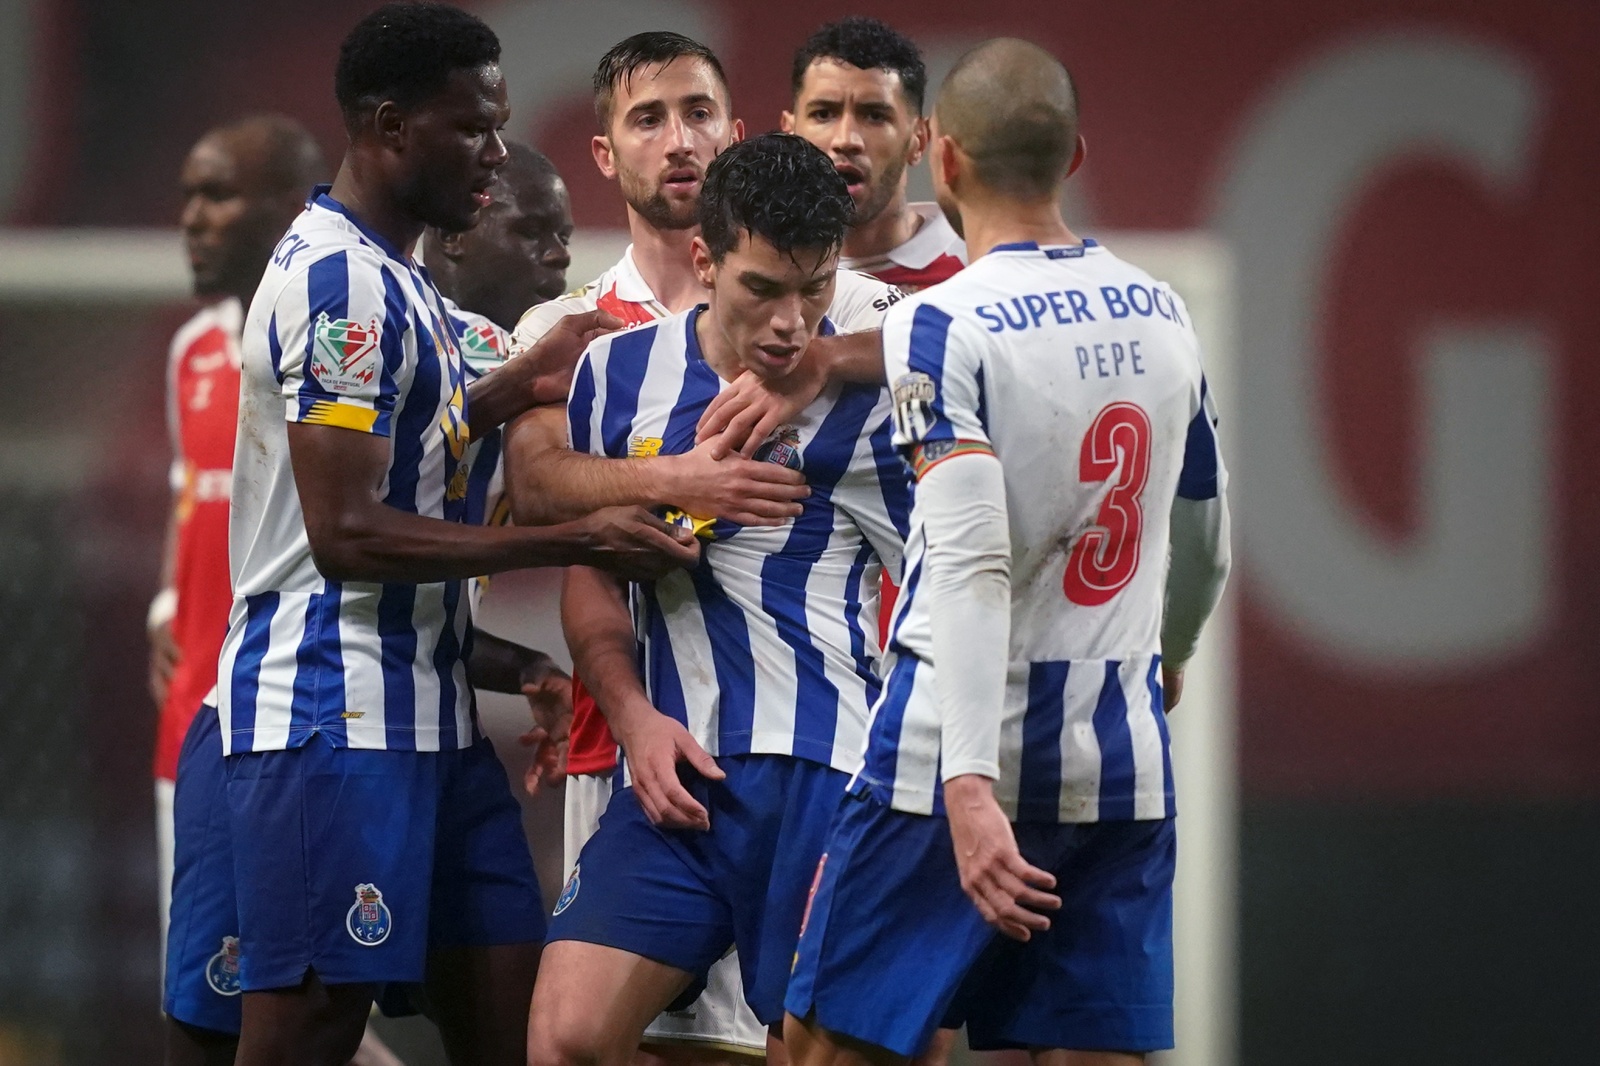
(1201, 558)
(373, 542)
(962, 503)
(508, 391)
(559, 484)
(599, 632)
(500, 665)
(852, 357)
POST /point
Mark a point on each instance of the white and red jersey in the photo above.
(934, 253)
(859, 303)
(202, 416)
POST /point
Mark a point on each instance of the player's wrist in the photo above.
(162, 609)
(965, 791)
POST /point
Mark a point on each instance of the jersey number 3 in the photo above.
(1104, 559)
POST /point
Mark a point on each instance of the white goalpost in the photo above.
(145, 267)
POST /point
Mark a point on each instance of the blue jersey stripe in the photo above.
(484, 465)
(1116, 747)
(728, 631)
(1197, 480)
(883, 746)
(580, 408)
(865, 667)
(246, 680)
(1158, 708)
(1039, 776)
(318, 699)
(626, 361)
(930, 331)
(327, 293)
(397, 638)
(894, 481)
(661, 666)
(445, 656)
(275, 347)
(416, 419)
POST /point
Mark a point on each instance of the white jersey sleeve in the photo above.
(934, 364)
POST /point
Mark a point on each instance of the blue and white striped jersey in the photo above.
(345, 330)
(770, 644)
(1083, 374)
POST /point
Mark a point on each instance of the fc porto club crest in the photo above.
(369, 920)
(570, 891)
(222, 969)
(344, 355)
(783, 448)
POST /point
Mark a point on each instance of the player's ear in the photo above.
(738, 131)
(450, 245)
(604, 157)
(389, 123)
(786, 122)
(1078, 155)
(705, 268)
(920, 135)
(947, 158)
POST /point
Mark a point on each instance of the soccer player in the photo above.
(759, 665)
(1005, 855)
(858, 90)
(202, 990)
(665, 112)
(383, 842)
(242, 185)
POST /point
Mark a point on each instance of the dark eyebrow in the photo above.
(697, 98)
(645, 106)
(752, 278)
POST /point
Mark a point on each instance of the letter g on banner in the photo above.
(1474, 583)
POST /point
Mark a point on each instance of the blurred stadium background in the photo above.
(1380, 207)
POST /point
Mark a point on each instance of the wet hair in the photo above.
(626, 57)
(869, 44)
(779, 187)
(406, 52)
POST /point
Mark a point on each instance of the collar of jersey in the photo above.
(320, 198)
(1033, 246)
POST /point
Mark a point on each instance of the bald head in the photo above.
(243, 184)
(1011, 108)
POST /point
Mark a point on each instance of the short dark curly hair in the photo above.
(625, 58)
(779, 187)
(405, 52)
(869, 44)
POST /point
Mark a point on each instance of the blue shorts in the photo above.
(355, 863)
(683, 897)
(202, 973)
(892, 947)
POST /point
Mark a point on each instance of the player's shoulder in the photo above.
(224, 316)
(540, 319)
(326, 254)
(628, 350)
(860, 301)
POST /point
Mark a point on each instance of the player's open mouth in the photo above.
(852, 176)
(779, 355)
(481, 197)
(681, 179)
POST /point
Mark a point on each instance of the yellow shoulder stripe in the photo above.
(343, 415)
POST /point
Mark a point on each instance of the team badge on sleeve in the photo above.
(570, 891)
(344, 354)
(222, 970)
(482, 347)
(369, 920)
(913, 404)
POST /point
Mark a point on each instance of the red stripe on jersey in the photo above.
(591, 749)
(632, 314)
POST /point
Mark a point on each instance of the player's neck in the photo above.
(992, 220)
(367, 199)
(714, 347)
(663, 259)
(894, 226)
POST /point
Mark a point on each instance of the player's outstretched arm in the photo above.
(541, 374)
(1201, 559)
(355, 536)
(549, 482)
(961, 498)
(499, 665)
(599, 630)
(752, 408)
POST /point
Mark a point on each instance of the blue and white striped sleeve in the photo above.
(337, 338)
(935, 370)
(876, 492)
(1202, 475)
(585, 401)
